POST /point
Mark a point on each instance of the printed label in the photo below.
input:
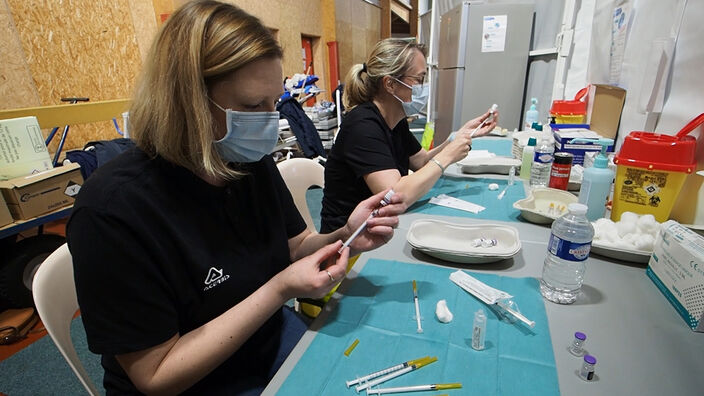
(642, 187)
(567, 250)
(544, 158)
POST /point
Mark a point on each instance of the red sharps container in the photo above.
(560, 171)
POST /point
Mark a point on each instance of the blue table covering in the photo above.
(378, 310)
(500, 147)
(475, 190)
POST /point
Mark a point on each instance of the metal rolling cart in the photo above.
(22, 257)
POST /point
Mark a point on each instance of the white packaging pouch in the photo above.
(456, 203)
(489, 295)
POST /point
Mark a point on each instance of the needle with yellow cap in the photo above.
(415, 300)
(385, 371)
(414, 388)
(423, 362)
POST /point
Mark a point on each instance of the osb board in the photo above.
(79, 48)
(145, 27)
(16, 85)
(358, 30)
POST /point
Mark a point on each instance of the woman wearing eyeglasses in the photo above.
(374, 149)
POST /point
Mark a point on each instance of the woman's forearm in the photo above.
(179, 363)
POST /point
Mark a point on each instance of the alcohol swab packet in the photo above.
(456, 203)
(488, 294)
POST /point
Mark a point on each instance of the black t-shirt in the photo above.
(158, 251)
(364, 144)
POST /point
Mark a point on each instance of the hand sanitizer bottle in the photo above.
(532, 114)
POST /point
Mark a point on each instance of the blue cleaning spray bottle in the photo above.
(597, 180)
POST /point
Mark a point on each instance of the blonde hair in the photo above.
(390, 57)
(200, 43)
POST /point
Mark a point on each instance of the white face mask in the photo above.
(419, 98)
(250, 135)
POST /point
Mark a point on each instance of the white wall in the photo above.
(665, 38)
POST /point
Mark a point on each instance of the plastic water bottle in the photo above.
(568, 249)
(542, 162)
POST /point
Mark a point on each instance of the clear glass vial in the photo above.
(479, 330)
(587, 371)
(578, 344)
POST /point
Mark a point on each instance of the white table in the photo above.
(641, 344)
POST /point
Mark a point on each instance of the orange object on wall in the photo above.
(333, 61)
(307, 45)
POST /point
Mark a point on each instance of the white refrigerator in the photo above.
(482, 60)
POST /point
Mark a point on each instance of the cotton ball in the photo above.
(602, 226)
(611, 236)
(442, 312)
(625, 227)
(648, 225)
(630, 239)
(603, 222)
(493, 186)
(621, 244)
(629, 217)
(645, 242)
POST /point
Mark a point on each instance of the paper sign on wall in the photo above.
(494, 33)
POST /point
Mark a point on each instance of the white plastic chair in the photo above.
(299, 175)
(54, 294)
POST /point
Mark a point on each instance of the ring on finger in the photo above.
(330, 276)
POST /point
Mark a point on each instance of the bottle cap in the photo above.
(580, 336)
(590, 359)
(577, 208)
(531, 141)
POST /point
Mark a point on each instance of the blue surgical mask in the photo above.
(250, 135)
(419, 98)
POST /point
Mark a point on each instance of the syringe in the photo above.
(385, 201)
(492, 110)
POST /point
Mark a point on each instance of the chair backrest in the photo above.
(299, 175)
(54, 294)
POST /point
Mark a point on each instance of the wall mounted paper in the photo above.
(494, 33)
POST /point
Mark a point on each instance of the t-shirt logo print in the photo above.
(214, 278)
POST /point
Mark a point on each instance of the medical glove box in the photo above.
(34, 195)
(22, 148)
(677, 269)
(564, 136)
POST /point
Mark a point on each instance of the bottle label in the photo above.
(543, 158)
(567, 250)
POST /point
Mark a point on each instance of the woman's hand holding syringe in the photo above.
(385, 201)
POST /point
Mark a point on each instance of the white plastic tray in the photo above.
(536, 206)
(454, 242)
(634, 256)
(499, 165)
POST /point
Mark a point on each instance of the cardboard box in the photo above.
(22, 148)
(5, 216)
(677, 269)
(33, 195)
(605, 103)
(564, 136)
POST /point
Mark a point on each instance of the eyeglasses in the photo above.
(416, 79)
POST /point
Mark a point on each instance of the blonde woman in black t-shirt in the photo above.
(374, 149)
(186, 248)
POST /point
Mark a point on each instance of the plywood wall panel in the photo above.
(358, 30)
(144, 27)
(16, 86)
(79, 48)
